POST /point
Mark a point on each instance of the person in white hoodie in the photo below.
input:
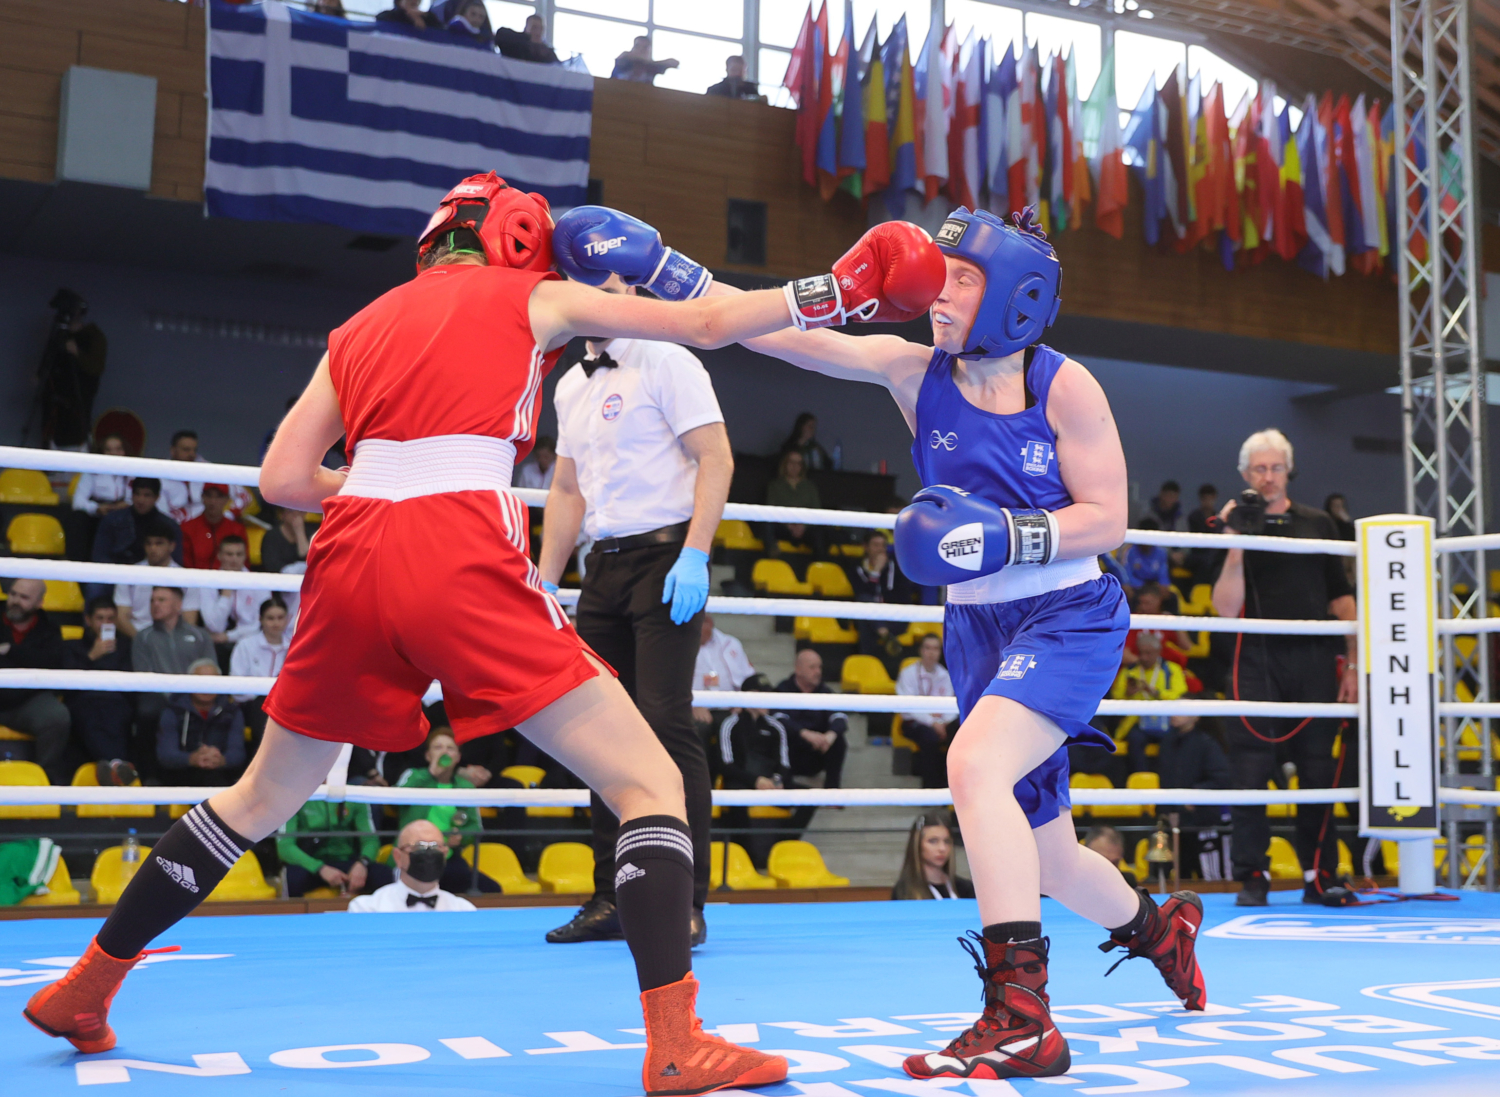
(260, 655)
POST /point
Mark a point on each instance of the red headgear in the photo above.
(514, 227)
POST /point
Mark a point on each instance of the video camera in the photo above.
(1249, 516)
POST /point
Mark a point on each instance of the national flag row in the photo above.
(1002, 127)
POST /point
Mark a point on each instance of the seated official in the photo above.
(421, 855)
(927, 870)
(134, 599)
(102, 721)
(1107, 843)
(340, 853)
(931, 731)
(260, 655)
(1192, 756)
(817, 739)
(201, 737)
(1151, 679)
(460, 824)
(32, 641)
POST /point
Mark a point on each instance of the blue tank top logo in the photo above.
(946, 441)
(1037, 456)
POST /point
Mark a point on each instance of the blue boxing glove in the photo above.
(948, 536)
(687, 585)
(592, 242)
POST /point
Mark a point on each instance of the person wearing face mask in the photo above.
(461, 825)
(421, 855)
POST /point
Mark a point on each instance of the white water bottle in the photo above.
(130, 854)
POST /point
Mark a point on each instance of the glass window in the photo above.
(780, 20)
(1140, 57)
(773, 65)
(1237, 84)
(723, 17)
(505, 13)
(1000, 25)
(620, 9)
(700, 61)
(599, 40)
(1053, 35)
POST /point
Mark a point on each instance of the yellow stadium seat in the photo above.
(777, 577)
(1089, 780)
(322, 893)
(1142, 867)
(737, 536)
(1144, 779)
(60, 890)
(826, 630)
(1202, 645)
(26, 486)
(1199, 602)
(853, 550)
(785, 547)
(498, 862)
(71, 632)
(829, 580)
(866, 674)
(1282, 811)
(1390, 853)
(899, 738)
(1346, 860)
(742, 874)
(798, 864)
(383, 855)
(36, 535)
(26, 773)
(109, 877)
(768, 811)
(918, 629)
(243, 881)
(801, 627)
(1284, 863)
(254, 535)
(177, 811)
(1473, 851)
(63, 596)
(86, 776)
(1464, 647)
(531, 777)
(567, 867)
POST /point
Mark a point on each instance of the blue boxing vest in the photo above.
(1010, 460)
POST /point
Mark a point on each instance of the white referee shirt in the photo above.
(391, 899)
(621, 427)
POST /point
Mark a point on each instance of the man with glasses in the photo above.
(1285, 668)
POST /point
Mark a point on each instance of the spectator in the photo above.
(876, 578)
(734, 85)
(804, 440)
(69, 376)
(637, 64)
(135, 598)
(200, 737)
(754, 745)
(231, 615)
(421, 855)
(121, 537)
(169, 646)
(817, 739)
(1208, 507)
(201, 535)
(526, 45)
(536, 471)
(470, 21)
(1337, 509)
(931, 731)
(285, 544)
(260, 655)
(443, 12)
(927, 870)
(1166, 507)
(460, 824)
(721, 665)
(792, 488)
(31, 641)
(1192, 757)
(100, 493)
(1146, 563)
(1106, 841)
(340, 849)
(101, 721)
(1150, 600)
(328, 7)
(1151, 679)
(182, 499)
(407, 13)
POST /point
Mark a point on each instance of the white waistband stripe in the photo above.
(395, 471)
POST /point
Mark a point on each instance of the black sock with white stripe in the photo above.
(654, 893)
(175, 876)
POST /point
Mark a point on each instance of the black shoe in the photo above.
(1328, 891)
(1253, 891)
(596, 920)
(699, 928)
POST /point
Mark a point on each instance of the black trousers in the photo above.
(299, 880)
(808, 761)
(1286, 669)
(621, 616)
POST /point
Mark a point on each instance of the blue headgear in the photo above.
(1022, 279)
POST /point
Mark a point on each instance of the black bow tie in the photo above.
(604, 361)
(429, 901)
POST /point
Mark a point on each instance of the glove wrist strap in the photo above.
(815, 302)
(678, 278)
(1033, 536)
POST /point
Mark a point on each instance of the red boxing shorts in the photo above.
(401, 591)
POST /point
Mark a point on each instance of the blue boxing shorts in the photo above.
(1057, 654)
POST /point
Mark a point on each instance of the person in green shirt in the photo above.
(792, 488)
(333, 845)
(461, 825)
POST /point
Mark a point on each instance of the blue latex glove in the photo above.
(550, 588)
(687, 585)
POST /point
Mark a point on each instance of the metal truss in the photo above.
(1442, 363)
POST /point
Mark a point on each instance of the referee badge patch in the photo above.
(1016, 666)
(613, 404)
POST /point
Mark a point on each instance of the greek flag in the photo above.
(319, 119)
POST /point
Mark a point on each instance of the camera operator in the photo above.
(1284, 668)
(68, 378)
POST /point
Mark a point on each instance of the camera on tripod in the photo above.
(1249, 516)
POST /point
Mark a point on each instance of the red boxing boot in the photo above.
(76, 1007)
(1168, 940)
(683, 1059)
(1015, 1036)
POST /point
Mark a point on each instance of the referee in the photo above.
(643, 469)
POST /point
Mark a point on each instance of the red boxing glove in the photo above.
(892, 274)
